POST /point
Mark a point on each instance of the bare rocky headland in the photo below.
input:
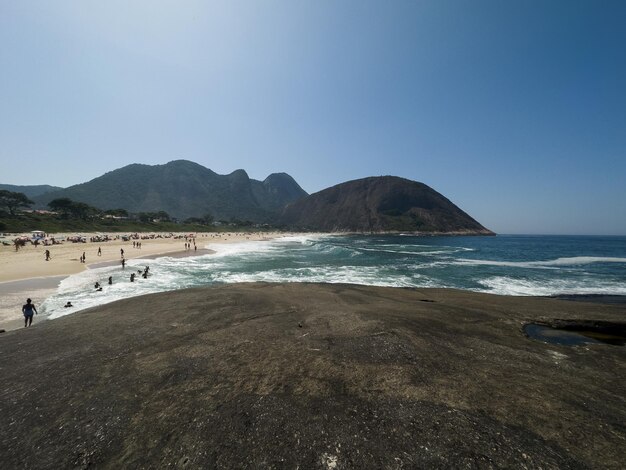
(312, 376)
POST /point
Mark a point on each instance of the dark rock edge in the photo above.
(311, 376)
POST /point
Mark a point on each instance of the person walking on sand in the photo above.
(47, 255)
(99, 251)
(27, 309)
(122, 252)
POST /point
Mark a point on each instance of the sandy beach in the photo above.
(26, 273)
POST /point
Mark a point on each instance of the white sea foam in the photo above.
(260, 247)
(321, 258)
(581, 260)
(450, 251)
(510, 264)
(166, 273)
(445, 252)
(428, 265)
(505, 285)
(346, 274)
(548, 264)
(80, 291)
(230, 249)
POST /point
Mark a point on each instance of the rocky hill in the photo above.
(185, 189)
(380, 204)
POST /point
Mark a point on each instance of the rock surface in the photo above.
(380, 204)
(311, 376)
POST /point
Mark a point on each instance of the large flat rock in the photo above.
(312, 376)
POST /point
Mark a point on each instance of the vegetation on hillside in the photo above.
(72, 216)
(184, 189)
(27, 222)
(11, 201)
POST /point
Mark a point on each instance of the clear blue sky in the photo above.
(514, 110)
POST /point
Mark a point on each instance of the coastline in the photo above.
(14, 292)
(25, 273)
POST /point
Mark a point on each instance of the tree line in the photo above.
(12, 202)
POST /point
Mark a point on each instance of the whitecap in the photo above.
(581, 260)
(547, 264)
(505, 285)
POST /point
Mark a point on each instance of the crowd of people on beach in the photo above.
(83, 257)
(47, 240)
(28, 309)
(188, 245)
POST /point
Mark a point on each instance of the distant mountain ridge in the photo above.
(380, 204)
(185, 189)
(30, 191)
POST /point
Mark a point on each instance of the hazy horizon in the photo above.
(512, 110)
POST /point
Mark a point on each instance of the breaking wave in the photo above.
(500, 265)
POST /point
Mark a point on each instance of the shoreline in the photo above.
(25, 273)
(14, 292)
(43, 289)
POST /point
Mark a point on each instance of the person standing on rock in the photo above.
(28, 309)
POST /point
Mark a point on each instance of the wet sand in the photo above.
(14, 294)
(313, 376)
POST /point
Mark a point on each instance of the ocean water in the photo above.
(507, 264)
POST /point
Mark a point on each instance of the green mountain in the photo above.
(30, 191)
(380, 204)
(185, 189)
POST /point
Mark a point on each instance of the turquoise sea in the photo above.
(505, 264)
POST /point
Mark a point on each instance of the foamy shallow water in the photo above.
(510, 265)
